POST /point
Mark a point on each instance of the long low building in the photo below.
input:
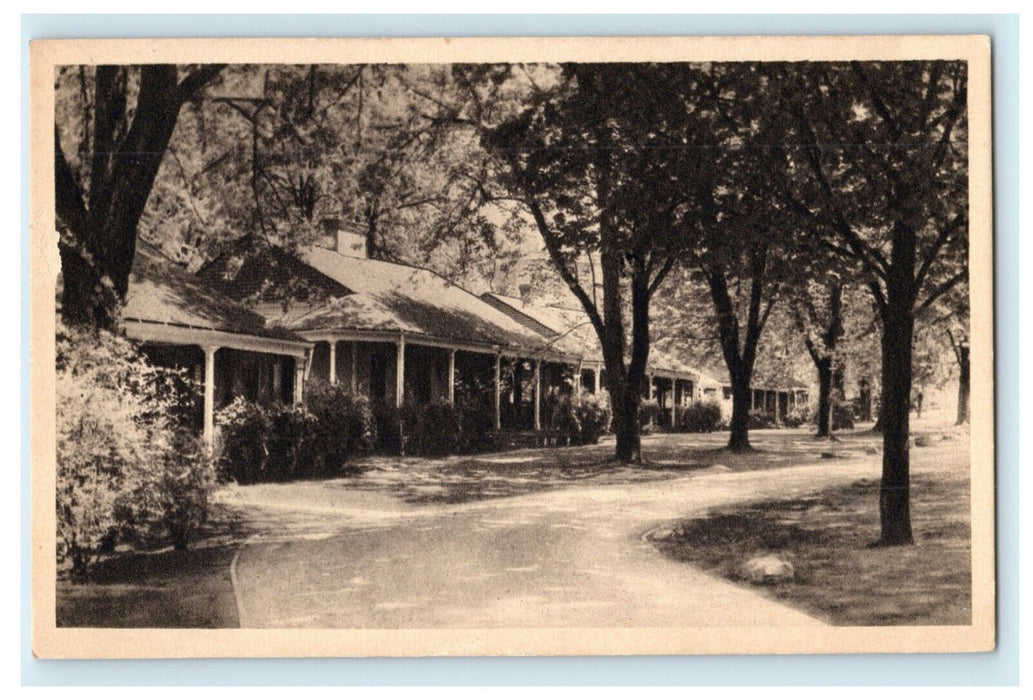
(259, 321)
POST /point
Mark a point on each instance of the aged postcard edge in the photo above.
(51, 642)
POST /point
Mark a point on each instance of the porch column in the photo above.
(299, 379)
(597, 379)
(333, 361)
(577, 384)
(537, 394)
(498, 392)
(355, 366)
(676, 399)
(209, 395)
(649, 379)
(400, 372)
(452, 376)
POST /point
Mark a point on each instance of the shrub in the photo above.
(344, 425)
(761, 419)
(433, 430)
(842, 416)
(187, 480)
(117, 422)
(593, 417)
(563, 418)
(387, 420)
(291, 445)
(704, 417)
(648, 412)
(244, 428)
(796, 418)
(475, 403)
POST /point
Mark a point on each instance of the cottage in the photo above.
(182, 322)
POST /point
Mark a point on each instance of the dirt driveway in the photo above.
(420, 544)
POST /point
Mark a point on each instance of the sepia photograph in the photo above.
(492, 347)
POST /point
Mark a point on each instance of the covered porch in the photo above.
(516, 385)
(227, 365)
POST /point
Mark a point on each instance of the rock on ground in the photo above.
(770, 568)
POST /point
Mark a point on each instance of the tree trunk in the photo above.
(895, 489)
(963, 385)
(102, 224)
(739, 439)
(824, 397)
(625, 424)
(864, 390)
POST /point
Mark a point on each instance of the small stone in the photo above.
(720, 468)
(922, 441)
(769, 568)
(871, 450)
(828, 455)
(662, 533)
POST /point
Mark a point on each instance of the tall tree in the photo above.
(596, 161)
(745, 241)
(120, 119)
(880, 161)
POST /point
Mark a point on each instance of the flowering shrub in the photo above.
(118, 418)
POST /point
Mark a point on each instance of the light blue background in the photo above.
(997, 668)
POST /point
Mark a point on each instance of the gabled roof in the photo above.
(161, 292)
(372, 295)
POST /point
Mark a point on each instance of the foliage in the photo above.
(344, 424)
(434, 430)
(798, 416)
(187, 479)
(761, 419)
(113, 125)
(701, 417)
(648, 414)
(244, 429)
(474, 397)
(121, 458)
(279, 443)
(593, 416)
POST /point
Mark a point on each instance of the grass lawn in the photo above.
(166, 589)
(827, 538)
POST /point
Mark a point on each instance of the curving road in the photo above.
(340, 558)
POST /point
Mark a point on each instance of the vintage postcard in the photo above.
(545, 346)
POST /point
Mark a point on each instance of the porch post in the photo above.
(597, 379)
(537, 394)
(209, 395)
(577, 384)
(452, 376)
(355, 366)
(498, 391)
(333, 361)
(299, 379)
(649, 379)
(400, 372)
(676, 398)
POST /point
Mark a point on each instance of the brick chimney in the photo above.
(525, 293)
